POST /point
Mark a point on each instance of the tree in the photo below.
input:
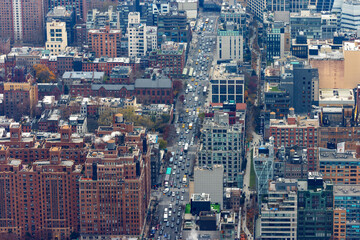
(43, 73)
(105, 119)
(182, 98)
(178, 86)
(162, 143)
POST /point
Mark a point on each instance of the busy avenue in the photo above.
(174, 193)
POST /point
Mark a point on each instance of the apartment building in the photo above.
(346, 212)
(222, 143)
(105, 42)
(56, 36)
(279, 212)
(20, 98)
(315, 208)
(230, 42)
(44, 204)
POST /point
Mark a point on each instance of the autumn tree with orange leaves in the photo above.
(43, 74)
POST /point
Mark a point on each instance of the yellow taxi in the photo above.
(183, 126)
(199, 50)
(198, 110)
(196, 63)
(207, 58)
(187, 110)
(196, 83)
(193, 79)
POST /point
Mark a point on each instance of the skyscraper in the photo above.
(80, 7)
(22, 20)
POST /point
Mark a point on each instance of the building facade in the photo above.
(22, 21)
(222, 144)
(105, 42)
(56, 36)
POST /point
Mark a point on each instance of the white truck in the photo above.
(196, 99)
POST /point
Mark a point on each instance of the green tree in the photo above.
(162, 143)
(105, 119)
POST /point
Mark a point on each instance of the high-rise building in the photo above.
(346, 212)
(22, 21)
(105, 42)
(306, 22)
(279, 211)
(315, 208)
(230, 42)
(222, 143)
(61, 14)
(115, 191)
(173, 26)
(39, 199)
(142, 39)
(79, 7)
(20, 99)
(56, 36)
(278, 40)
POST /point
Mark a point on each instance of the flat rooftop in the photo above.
(348, 190)
(300, 122)
(328, 96)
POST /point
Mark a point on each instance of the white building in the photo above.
(141, 38)
(350, 16)
(189, 6)
(56, 36)
(278, 219)
(210, 180)
(230, 43)
(222, 143)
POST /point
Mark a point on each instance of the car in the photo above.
(179, 208)
(176, 230)
(187, 164)
(169, 194)
(182, 198)
(167, 224)
(169, 213)
(174, 210)
(172, 225)
(172, 199)
(179, 186)
(183, 190)
(166, 190)
(177, 197)
(177, 193)
(177, 202)
(179, 214)
(178, 222)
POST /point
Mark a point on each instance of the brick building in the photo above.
(102, 90)
(116, 184)
(29, 150)
(121, 75)
(5, 45)
(20, 99)
(296, 131)
(156, 89)
(105, 42)
(170, 57)
(105, 64)
(22, 21)
(39, 199)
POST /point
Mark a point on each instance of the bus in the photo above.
(186, 147)
(191, 72)
(185, 73)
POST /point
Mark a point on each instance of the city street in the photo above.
(175, 196)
